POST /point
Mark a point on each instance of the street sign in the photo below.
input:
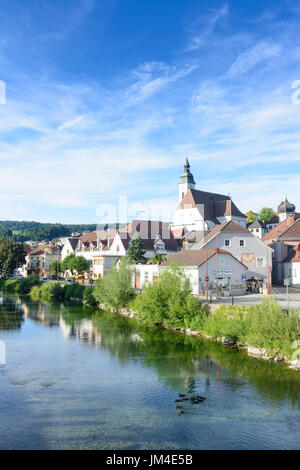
(243, 277)
(206, 279)
(287, 282)
(200, 279)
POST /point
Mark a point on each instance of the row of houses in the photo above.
(208, 236)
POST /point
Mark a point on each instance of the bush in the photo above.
(227, 321)
(25, 285)
(11, 286)
(36, 291)
(115, 289)
(270, 327)
(88, 296)
(73, 291)
(170, 303)
(52, 290)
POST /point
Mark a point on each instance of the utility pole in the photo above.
(268, 271)
(217, 261)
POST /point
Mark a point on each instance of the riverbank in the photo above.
(265, 330)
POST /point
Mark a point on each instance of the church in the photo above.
(199, 211)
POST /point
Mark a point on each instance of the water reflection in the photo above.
(179, 361)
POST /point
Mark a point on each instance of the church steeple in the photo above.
(186, 181)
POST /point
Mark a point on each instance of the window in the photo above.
(227, 242)
(146, 276)
(257, 230)
(118, 248)
(290, 272)
(295, 272)
(260, 262)
(242, 242)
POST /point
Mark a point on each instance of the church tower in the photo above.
(186, 181)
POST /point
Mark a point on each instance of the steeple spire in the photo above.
(186, 181)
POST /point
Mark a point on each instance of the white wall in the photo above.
(291, 271)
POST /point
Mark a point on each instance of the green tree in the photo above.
(80, 264)
(266, 214)
(67, 263)
(12, 255)
(115, 289)
(136, 251)
(170, 302)
(75, 263)
(251, 217)
(55, 267)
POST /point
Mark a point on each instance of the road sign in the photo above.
(206, 279)
(287, 282)
(200, 279)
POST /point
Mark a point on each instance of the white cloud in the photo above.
(252, 57)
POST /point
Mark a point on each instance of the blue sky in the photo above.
(107, 98)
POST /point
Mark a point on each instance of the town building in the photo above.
(257, 228)
(243, 245)
(205, 266)
(39, 260)
(68, 246)
(201, 210)
(283, 239)
(291, 266)
(284, 210)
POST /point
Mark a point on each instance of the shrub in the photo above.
(11, 286)
(36, 291)
(52, 290)
(227, 321)
(115, 289)
(25, 285)
(270, 327)
(88, 296)
(73, 291)
(169, 302)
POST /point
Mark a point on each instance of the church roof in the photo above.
(286, 206)
(215, 205)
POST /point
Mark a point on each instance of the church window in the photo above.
(227, 242)
(242, 242)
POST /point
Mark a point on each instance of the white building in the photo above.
(243, 245)
(201, 210)
(291, 266)
(257, 228)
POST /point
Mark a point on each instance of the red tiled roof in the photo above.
(294, 255)
(283, 229)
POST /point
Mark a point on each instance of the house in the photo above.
(201, 210)
(103, 248)
(68, 246)
(243, 245)
(205, 265)
(284, 210)
(257, 228)
(39, 260)
(283, 238)
(291, 266)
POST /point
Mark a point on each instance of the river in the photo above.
(75, 378)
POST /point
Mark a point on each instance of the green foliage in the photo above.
(75, 291)
(75, 263)
(115, 289)
(88, 296)
(227, 321)
(158, 259)
(55, 267)
(266, 326)
(21, 286)
(169, 302)
(270, 327)
(136, 251)
(11, 255)
(52, 291)
(266, 214)
(251, 217)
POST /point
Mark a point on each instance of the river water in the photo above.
(79, 379)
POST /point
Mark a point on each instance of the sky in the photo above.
(105, 99)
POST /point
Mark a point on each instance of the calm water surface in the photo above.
(76, 379)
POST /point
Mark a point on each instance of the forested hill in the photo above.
(36, 231)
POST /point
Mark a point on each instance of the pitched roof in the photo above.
(281, 228)
(293, 231)
(196, 257)
(256, 224)
(228, 227)
(73, 242)
(294, 255)
(215, 205)
(149, 231)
